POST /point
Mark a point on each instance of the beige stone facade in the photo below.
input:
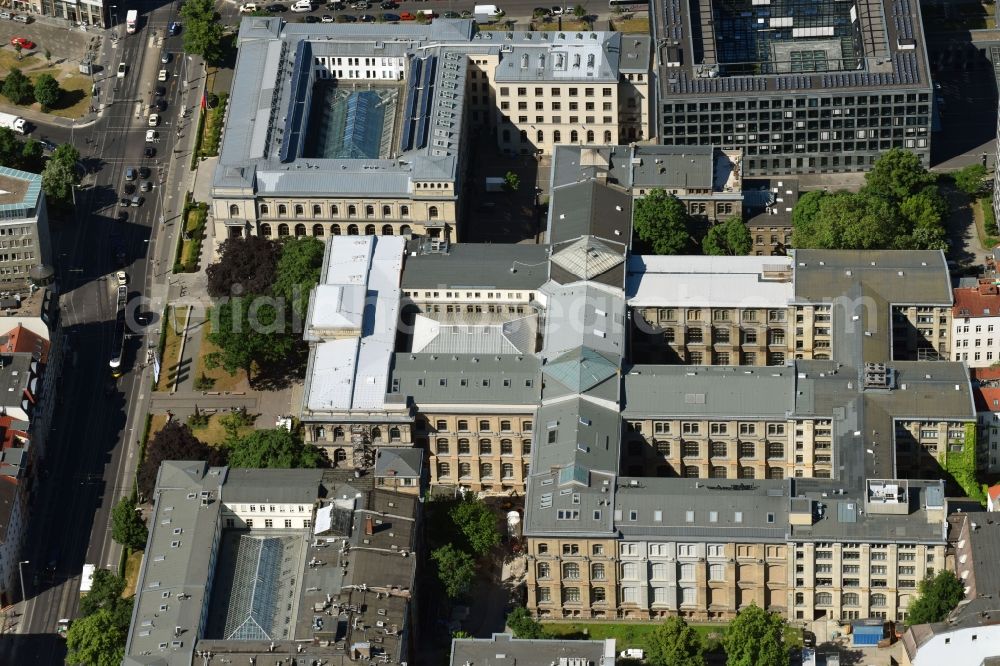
(573, 577)
(480, 451)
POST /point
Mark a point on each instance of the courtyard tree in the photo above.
(17, 87)
(936, 597)
(297, 271)
(729, 237)
(32, 156)
(522, 625)
(127, 526)
(897, 174)
(249, 331)
(106, 593)
(674, 643)
(61, 174)
(662, 222)
(477, 523)
(756, 638)
(511, 182)
(456, 569)
(850, 221)
(47, 91)
(276, 448)
(247, 265)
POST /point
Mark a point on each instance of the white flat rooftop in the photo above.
(359, 289)
(723, 282)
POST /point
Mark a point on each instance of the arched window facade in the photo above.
(335, 230)
(369, 211)
(574, 136)
(443, 469)
(299, 209)
(318, 230)
(234, 210)
(264, 209)
(432, 212)
(339, 456)
(282, 209)
(317, 210)
(352, 230)
(369, 230)
(486, 471)
(590, 136)
(282, 230)
(386, 229)
(265, 230)
(607, 136)
(556, 136)
(300, 230)
(386, 211)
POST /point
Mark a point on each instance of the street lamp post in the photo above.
(114, 16)
(20, 570)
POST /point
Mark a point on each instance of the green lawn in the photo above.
(637, 634)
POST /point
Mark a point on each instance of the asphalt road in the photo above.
(516, 10)
(92, 453)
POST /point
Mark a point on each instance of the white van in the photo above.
(491, 11)
(302, 6)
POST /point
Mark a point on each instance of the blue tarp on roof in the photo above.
(867, 632)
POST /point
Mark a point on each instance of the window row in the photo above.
(485, 470)
(574, 136)
(299, 210)
(319, 230)
(442, 447)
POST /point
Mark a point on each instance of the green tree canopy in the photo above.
(275, 448)
(936, 597)
(729, 237)
(456, 569)
(127, 526)
(17, 87)
(203, 31)
(96, 640)
(674, 643)
(807, 207)
(756, 638)
(897, 174)
(849, 221)
(297, 271)
(58, 179)
(106, 592)
(661, 221)
(247, 331)
(247, 265)
(970, 179)
(32, 156)
(511, 181)
(47, 91)
(522, 625)
(477, 523)
(174, 441)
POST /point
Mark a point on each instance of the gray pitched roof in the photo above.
(475, 265)
(398, 461)
(456, 379)
(589, 208)
(503, 649)
(576, 433)
(583, 315)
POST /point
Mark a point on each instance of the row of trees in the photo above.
(899, 207)
(662, 222)
(19, 89)
(265, 285)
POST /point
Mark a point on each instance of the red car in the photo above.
(22, 42)
(407, 16)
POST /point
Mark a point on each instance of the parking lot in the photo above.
(64, 44)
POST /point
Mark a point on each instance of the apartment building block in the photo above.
(246, 562)
(975, 321)
(798, 86)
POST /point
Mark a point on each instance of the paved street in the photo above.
(93, 453)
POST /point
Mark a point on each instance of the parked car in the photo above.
(302, 6)
(559, 11)
(326, 19)
(388, 4)
(174, 28)
(452, 15)
(144, 172)
(407, 16)
(391, 18)
(345, 18)
(248, 8)
(160, 105)
(154, 120)
(165, 57)
(145, 186)
(160, 91)
(24, 43)
(309, 18)
(22, 18)
(128, 189)
(122, 68)
(122, 278)
(367, 18)
(6, 15)
(149, 152)
(130, 173)
(137, 201)
(162, 76)
(124, 201)
(152, 136)
(47, 146)
(336, 6)
(276, 8)
(361, 5)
